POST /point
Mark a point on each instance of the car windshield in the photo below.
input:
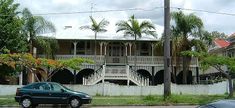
(65, 87)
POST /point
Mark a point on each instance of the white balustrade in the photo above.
(100, 59)
(115, 71)
(156, 60)
(94, 77)
(139, 79)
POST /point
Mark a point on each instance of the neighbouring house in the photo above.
(219, 46)
(115, 59)
(223, 47)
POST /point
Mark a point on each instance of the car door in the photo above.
(58, 95)
(40, 93)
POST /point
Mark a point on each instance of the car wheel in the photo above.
(34, 105)
(75, 103)
(26, 103)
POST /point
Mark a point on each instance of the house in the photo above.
(115, 59)
(220, 47)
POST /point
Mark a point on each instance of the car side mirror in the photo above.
(62, 90)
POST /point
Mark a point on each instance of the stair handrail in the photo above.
(138, 77)
(94, 76)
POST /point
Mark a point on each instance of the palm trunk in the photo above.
(135, 54)
(95, 50)
(185, 59)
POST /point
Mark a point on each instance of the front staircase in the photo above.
(116, 72)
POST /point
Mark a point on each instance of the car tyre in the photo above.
(34, 105)
(26, 103)
(75, 103)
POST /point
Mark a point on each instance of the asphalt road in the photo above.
(149, 107)
(88, 106)
(116, 107)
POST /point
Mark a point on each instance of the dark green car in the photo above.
(50, 93)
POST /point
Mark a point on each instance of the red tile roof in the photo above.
(221, 43)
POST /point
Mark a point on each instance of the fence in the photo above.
(109, 89)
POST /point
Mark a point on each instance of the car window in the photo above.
(28, 86)
(45, 87)
(55, 87)
(36, 86)
(42, 86)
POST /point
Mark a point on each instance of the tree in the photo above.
(209, 37)
(10, 28)
(134, 28)
(49, 45)
(96, 28)
(218, 62)
(35, 26)
(34, 65)
(184, 27)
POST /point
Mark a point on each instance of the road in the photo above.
(149, 107)
(119, 107)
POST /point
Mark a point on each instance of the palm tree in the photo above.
(49, 45)
(96, 28)
(133, 28)
(184, 27)
(35, 26)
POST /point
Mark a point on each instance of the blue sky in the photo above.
(212, 22)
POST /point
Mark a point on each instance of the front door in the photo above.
(116, 52)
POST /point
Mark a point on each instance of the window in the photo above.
(55, 87)
(81, 47)
(42, 86)
(144, 51)
(88, 45)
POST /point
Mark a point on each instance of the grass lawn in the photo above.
(7, 100)
(156, 100)
(138, 100)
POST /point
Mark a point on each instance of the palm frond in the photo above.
(43, 26)
(123, 25)
(133, 28)
(94, 23)
(147, 24)
(96, 27)
(103, 23)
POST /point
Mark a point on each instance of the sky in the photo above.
(212, 22)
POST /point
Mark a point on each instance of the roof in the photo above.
(75, 33)
(78, 34)
(221, 43)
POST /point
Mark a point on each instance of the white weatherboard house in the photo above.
(114, 60)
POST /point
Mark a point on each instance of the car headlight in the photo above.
(87, 96)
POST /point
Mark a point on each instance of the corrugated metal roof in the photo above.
(76, 33)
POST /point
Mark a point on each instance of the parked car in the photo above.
(220, 104)
(50, 93)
